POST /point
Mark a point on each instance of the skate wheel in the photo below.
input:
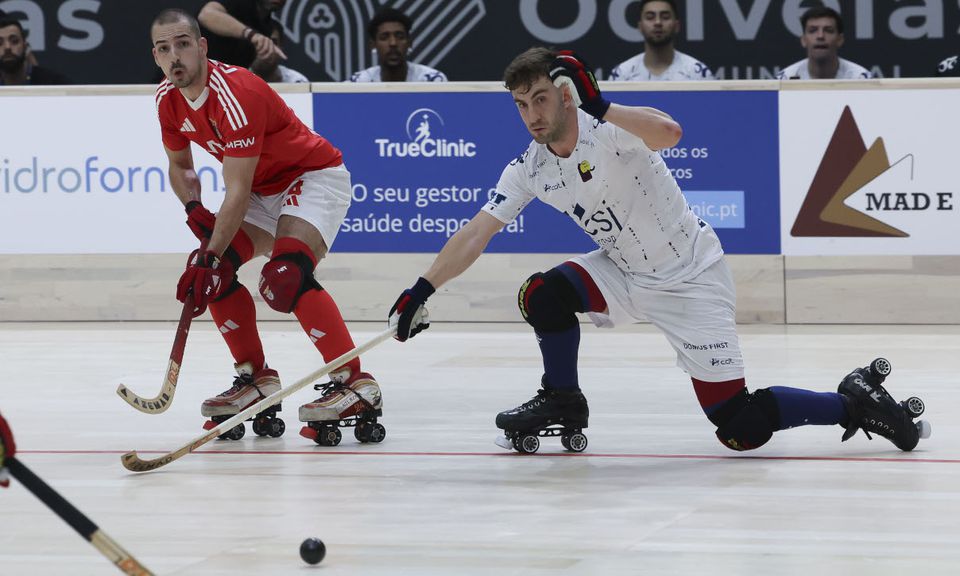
(378, 433)
(276, 427)
(924, 428)
(528, 444)
(329, 436)
(258, 426)
(914, 406)
(235, 433)
(576, 442)
(881, 368)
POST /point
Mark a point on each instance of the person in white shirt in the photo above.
(660, 26)
(269, 67)
(822, 37)
(389, 31)
(655, 260)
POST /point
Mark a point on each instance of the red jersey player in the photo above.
(287, 193)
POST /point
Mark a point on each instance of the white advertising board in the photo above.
(869, 172)
(88, 175)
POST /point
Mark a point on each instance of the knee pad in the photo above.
(284, 278)
(549, 302)
(747, 421)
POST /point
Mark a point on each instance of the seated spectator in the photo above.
(389, 31)
(15, 67)
(949, 66)
(238, 31)
(270, 69)
(660, 26)
(822, 37)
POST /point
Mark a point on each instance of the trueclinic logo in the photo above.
(422, 127)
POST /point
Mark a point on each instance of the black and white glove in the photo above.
(569, 69)
(408, 313)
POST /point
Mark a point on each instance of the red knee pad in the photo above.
(287, 275)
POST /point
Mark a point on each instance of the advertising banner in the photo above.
(423, 164)
(106, 41)
(869, 172)
(88, 175)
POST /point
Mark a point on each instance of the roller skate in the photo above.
(871, 408)
(248, 389)
(346, 401)
(549, 413)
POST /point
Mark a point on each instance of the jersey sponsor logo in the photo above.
(214, 147)
(722, 361)
(601, 221)
(585, 170)
(422, 127)
(187, 126)
(713, 346)
(334, 36)
(849, 167)
(552, 187)
(242, 143)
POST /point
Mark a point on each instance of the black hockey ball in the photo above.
(313, 550)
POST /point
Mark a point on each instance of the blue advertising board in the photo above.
(423, 164)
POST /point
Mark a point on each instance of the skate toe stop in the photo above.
(504, 442)
(925, 429)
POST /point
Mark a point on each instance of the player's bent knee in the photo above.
(545, 302)
(747, 421)
(285, 278)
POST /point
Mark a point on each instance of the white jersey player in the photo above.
(390, 36)
(655, 261)
(660, 26)
(415, 73)
(846, 70)
(822, 38)
(683, 67)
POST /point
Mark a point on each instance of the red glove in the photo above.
(8, 449)
(200, 220)
(206, 277)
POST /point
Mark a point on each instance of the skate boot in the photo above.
(871, 408)
(248, 389)
(346, 401)
(549, 413)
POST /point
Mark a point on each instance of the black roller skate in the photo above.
(871, 408)
(248, 389)
(345, 401)
(549, 413)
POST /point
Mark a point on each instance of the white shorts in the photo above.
(321, 197)
(698, 316)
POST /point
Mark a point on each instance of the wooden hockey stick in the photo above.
(162, 401)
(76, 519)
(131, 461)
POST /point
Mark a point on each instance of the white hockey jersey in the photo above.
(683, 67)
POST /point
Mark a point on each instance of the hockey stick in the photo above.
(131, 461)
(162, 401)
(76, 519)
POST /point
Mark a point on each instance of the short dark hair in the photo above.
(672, 3)
(174, 15)
(528, 67)
(822, 12)
(8, 21)
(385, 15)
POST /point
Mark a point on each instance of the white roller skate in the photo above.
(346, 401)
(248, 389)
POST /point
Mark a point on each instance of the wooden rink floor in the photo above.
(654, 493)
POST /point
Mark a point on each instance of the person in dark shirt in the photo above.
(15, 68)
(238, 31)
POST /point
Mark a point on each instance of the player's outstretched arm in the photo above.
(458, 254)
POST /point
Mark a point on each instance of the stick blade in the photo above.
(132, 462)
(161, 401)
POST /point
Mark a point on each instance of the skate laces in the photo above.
(238, 383)
(537, 400)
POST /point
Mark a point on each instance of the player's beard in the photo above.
(185, 79)
(664, 40)
(554, 130)
(12, 64)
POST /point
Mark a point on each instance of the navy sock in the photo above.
(559, 350)
(803, 407)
